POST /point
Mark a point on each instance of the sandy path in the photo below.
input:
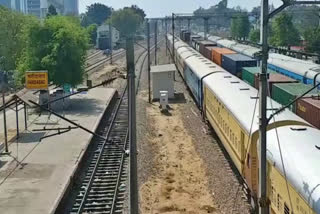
(179, 184)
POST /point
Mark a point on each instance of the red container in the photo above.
(309, 109)
(274, 79)
(204, 44)
(208, 52)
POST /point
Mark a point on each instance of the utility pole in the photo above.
(166, 26)
(173, 37)
(149, 63)
(189, 20)
(263, 200)
(134, 207)
(206, 27)
(263, 121)
(5, 122)
(111, 48)
(174, 74)
(3, 85)
(155, 41)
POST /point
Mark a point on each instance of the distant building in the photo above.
(5, 3)
(34, 8)
(39, 8)
(71, 7)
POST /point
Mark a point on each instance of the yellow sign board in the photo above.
(37, 79)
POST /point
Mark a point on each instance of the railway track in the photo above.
(103, 61)
(102, 186)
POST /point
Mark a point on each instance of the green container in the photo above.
(285, 93)
(248, 74)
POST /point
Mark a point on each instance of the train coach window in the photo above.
(279, 203)
(286, 209)
(273, 195)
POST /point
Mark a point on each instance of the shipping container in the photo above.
(208, 52)
(203, 44)
(287, 92)
(309, 109)
(218, 52)
(249, 73)
(181, 34)
(274, 79)
(194, 40)
(186, 36)
(235, 62)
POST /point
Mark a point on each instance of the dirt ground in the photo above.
(182, 167)
(180, 184)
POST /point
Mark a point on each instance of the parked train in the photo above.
(305, 71)
(231, 107)
(283, 87)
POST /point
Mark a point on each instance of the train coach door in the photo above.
(243, 155)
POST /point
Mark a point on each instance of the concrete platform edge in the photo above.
(66, 189)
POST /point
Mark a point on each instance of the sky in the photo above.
(160, 8)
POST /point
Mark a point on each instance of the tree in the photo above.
(240, 26)
(284, 33)
(312, 37)
(126, 21)
(137, 10)
(223, 4)
(92, 32)
(58, 45)
(12, 25)
(254, 35)
(96, 14)
(304, 17)
(52, 11)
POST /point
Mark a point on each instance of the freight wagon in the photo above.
(217, 54)
(249, 74)
(203, 45)
(274, 78)
(288, 92)
(309, 109)
(304, 71)
(235, 62)
(231, 107)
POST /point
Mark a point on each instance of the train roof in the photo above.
(200, 65)
(300, 159)
(240, 48)
(240, 99)
(239, 57)
(298, 66)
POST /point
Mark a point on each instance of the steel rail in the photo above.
(87, 190)
(115, 195)
(101, 62)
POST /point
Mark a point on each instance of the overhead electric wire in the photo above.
(279, 146)
(251, 126)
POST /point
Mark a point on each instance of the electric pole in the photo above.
(263, 200)
(111, 48)
(173, 37)
(149, 63)
(134, 207)
(155, 41)
(206, 27)
(166, 26)
(189, 20)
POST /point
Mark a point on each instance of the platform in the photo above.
(34, 176)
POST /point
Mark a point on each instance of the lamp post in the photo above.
(263, 121)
